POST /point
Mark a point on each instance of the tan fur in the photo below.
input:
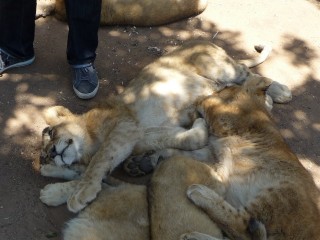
(154, 112)
(171, 213)
(121, 210)
(142, 12)
(261, 176)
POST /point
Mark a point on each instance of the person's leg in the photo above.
(17, 29)
(83, 19)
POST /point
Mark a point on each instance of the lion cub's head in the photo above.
(63, 140)
(237, 109)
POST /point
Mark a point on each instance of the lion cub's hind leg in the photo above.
(256, 228)
(236, 223)
(156, 138)
(168, 141)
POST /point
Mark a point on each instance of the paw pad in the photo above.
(139, 165)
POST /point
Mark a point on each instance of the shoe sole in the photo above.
(86, 95)
(20, 64)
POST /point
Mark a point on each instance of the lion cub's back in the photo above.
(118, 213)
(176, 80)
(149, 12)
(141, 12)
(171, 213)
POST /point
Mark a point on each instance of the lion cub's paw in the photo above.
(199, 134)
(141, 165)
(257, 229)
(46, 170)
(53, 194)
(200, 123)
(279, 93)
(201, 195)
(85, 192)
(49, 170)
(196, 236)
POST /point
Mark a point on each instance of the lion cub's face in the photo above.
(233, 109)
(62, 141)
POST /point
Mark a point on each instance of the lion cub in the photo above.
(122, 210)
(154, 112)
(141, 12)
(258, 175)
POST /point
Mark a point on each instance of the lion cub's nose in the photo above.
(53, 152)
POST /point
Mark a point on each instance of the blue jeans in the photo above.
(17, 28)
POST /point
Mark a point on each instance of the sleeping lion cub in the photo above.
(254, 187)
(258, 176)
(121, 209)
(154, 112)
(142, 12)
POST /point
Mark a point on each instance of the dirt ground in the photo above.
(291, 26)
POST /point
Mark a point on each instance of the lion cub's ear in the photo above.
(257, 83)
(56, 115)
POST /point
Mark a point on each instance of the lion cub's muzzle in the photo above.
(49, 150)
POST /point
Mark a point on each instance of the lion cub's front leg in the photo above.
(67, 173)
(116, 148)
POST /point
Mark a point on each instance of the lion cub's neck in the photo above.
(244, 115)
(99, 122)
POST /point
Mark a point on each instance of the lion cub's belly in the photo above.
(240, 191)
(161, 102)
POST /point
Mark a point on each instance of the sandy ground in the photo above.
(291, 26)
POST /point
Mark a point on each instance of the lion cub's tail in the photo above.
(257, 230)
(264, 51)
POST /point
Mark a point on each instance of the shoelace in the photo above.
(83, 73)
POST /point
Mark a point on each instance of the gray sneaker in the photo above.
(85, 81)
(7, 61)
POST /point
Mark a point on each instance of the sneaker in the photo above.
(7, 61)
(85, 81)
